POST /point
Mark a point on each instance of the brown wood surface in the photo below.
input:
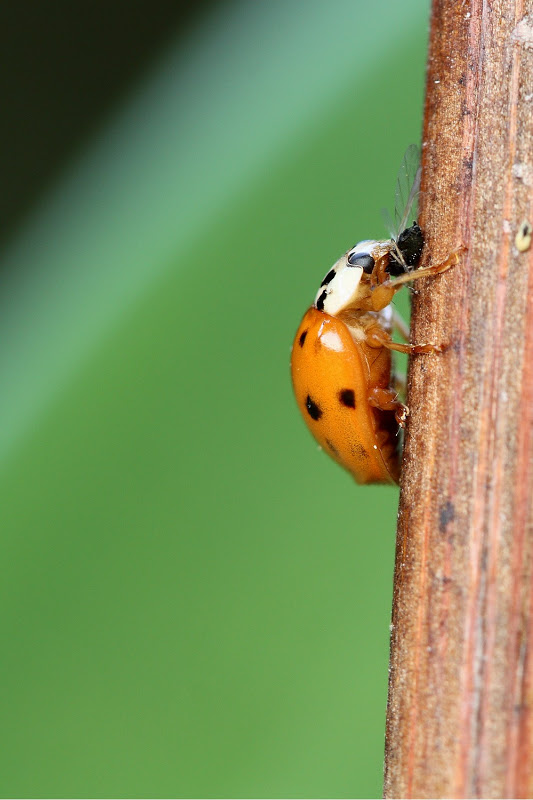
(459, 720)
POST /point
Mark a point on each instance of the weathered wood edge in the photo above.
(461, 674)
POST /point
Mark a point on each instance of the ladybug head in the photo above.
(338, 290)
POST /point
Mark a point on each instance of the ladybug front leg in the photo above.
(434, 269)
(387, 400)
(377, 337)
(382, 295)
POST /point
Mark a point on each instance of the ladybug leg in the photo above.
(377, 337)
(382, 295)
(379, 273)
(387, 400)
(435, 269)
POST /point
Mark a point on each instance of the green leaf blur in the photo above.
(196, 601)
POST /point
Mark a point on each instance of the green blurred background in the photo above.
(196, 601)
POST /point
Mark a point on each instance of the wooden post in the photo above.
(459, 720)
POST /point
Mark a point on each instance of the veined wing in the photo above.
(406, 194)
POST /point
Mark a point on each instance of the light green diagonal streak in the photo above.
(209, 118)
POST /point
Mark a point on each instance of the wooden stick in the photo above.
(459, 721)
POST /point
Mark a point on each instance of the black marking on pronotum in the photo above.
(347, 397)
(329, 277)
(314, 411)
(302, 338)
(363, 260)
(332, 448)
(320, 301)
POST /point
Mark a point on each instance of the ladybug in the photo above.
(342, 372)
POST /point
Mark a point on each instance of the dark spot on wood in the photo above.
(302, 338)
(462, 80)
(446, 515)
(455, 345)
(347, 397)
(314, 411)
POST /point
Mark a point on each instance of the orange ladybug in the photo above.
(342, 374)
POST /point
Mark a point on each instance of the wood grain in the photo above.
(459, 718)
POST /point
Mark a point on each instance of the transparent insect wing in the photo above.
(390, 226)
(407, 188)
(406, 193)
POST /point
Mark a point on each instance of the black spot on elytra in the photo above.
(302, 338)
(446, 515)
(347, 397)
(314, 411)
(329, 277)
(332, 448)
(320, 301)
